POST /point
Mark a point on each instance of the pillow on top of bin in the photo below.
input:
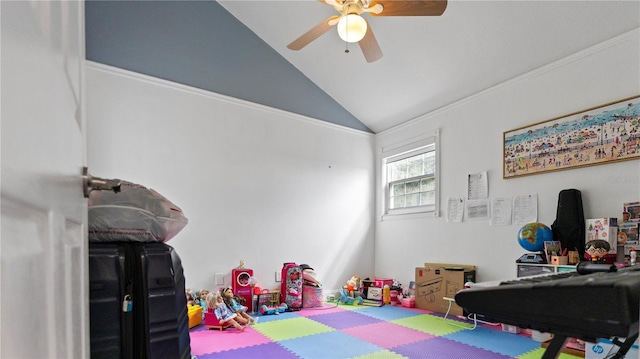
(136, 213)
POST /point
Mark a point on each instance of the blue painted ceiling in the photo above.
(200, 44)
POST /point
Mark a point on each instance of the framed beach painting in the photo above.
(602, 134)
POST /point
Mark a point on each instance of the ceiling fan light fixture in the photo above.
(352, 28)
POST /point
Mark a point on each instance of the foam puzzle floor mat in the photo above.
(346, 331)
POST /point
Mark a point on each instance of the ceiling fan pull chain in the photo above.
(346, 43)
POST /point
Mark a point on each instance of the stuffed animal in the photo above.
(352, 285)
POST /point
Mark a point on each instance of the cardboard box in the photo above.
(604, 229)
(600, 350)
(435, 281)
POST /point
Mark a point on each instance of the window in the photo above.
(411, 181)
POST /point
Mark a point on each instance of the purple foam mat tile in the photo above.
(441, 348)
(345, 319)
(269, 350)
(387, 335)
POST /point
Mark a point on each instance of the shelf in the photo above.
(529, 269)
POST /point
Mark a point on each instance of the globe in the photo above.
(533, 235)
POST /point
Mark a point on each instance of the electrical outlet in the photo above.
(219, 278)
(278, 276)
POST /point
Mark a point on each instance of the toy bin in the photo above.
(380, 282)
(409, 302)
(311, 296)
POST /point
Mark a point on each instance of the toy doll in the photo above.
(190, 300)
(202, 300)
(215, 303)
(597, 249)
(233, 303)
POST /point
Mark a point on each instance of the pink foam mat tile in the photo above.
(210, 341)
(387, 335)
(325, 309)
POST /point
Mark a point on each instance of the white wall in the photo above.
(256, 184)
(267, 186)
(471, 138)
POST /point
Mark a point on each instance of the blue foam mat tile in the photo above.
(442, 348)
(333, 344)
(271, 317)
(388, 312)
(495, 340)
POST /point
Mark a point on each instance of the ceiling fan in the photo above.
(354, 28)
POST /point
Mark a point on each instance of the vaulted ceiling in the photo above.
(239, 49)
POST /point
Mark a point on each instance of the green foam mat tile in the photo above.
(291, 328)
(428, 324)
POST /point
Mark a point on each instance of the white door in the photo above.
(43, 250)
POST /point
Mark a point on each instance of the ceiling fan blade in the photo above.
(313, 34)
(410, 7)
(369, 46)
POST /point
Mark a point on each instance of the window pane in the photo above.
(397, 170)
(398, 189)
(427, 198)
(430, 163)
(413, 200)
(415, 167)
(427, 184)
(397, 202)
(413, 187)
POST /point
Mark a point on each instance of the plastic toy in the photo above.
(595, 250)
(264, 310)
(346, 298)
(352, 286)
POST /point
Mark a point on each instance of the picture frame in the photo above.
(598, 135)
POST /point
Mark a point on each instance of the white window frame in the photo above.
(416, 146)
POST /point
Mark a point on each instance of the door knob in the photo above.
(90, 183)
